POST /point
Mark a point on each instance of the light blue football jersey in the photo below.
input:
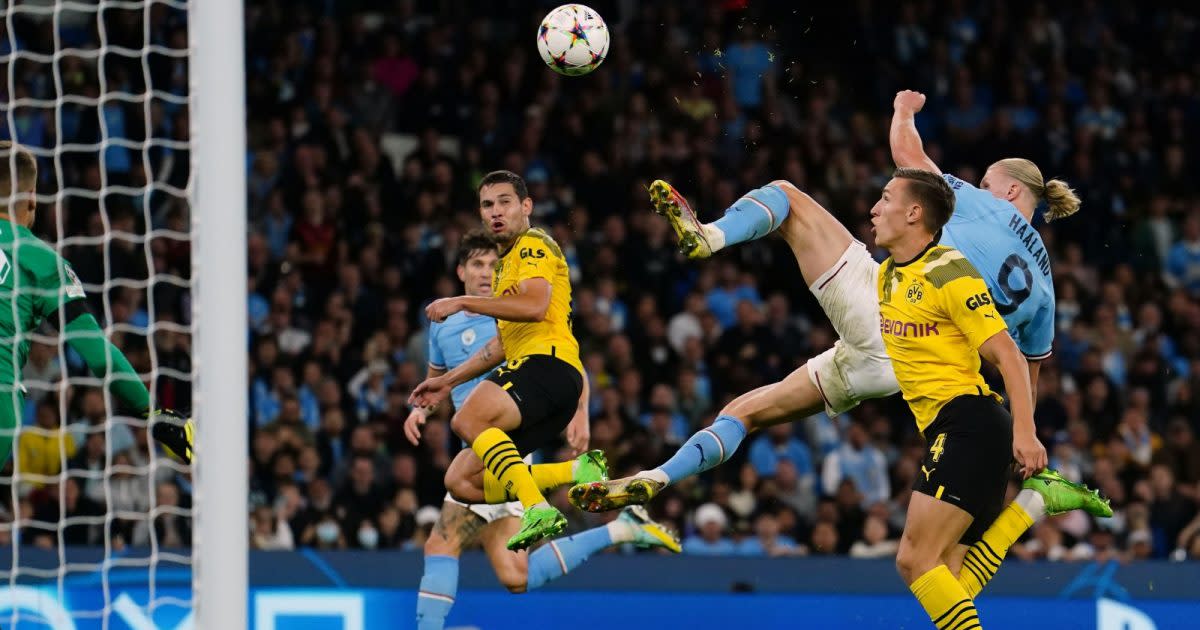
(453, 341)
(1010, 255)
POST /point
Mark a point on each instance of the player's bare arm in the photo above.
(1035, 370)
(433, 391)
(579, 431)
(528, 304)
(1001, 351)
(418, 415)
(907, 149)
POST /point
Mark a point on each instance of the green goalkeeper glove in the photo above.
(173, 431)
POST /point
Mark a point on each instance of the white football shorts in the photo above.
(857, 367)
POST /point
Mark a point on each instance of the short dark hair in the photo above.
(474, 243)
(506, 177)
(932, 193)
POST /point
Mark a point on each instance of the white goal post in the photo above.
(218, 194)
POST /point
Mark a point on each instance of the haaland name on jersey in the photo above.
(1031, 240)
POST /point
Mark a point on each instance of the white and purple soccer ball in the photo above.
(573, 40)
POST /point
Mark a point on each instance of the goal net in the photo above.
(96, 522)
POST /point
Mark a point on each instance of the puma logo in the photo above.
(701, 449)
(927, 471)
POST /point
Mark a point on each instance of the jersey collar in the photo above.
(934, 243)
(514, 243)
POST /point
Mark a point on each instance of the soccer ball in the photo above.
(573, 40)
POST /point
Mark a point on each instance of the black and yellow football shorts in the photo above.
(969, 461)
(546, 390)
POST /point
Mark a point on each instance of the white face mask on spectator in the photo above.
(368, 537)
(327, 532)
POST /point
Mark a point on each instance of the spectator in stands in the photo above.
(767, 541)
(41, 449)
(861, 463)
(710, 539)
(779, 443)
(1183, 261)
(874, 542)
(824, 539)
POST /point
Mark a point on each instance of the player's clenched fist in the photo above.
(910, 100)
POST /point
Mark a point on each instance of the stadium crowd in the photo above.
(349, 240)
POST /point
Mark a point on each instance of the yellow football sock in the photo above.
(548, 477)
(984, 557)
(945, 600)
(500, 457)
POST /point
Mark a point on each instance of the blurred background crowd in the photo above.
(370, 124)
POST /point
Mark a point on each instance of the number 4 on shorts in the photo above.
(939, 447)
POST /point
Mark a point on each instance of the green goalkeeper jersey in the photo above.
(36, 284)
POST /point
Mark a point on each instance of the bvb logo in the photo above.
(915, 293)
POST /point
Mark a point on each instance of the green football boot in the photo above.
(590, 466)
(537, 523)
(1062, 495)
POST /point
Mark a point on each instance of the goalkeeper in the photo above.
(37, 285)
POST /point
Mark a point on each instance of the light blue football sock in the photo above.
(438, 588)
(757, 214)
(707, 448)
(562, 555)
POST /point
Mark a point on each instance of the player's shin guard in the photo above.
(500, 457)
(757, 214)
(438, 588)
(560, 556)
(706, 449)
(945, 600)
(984, 557)
(547, 477)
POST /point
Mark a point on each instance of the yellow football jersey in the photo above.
(935, 312)
(536, 255)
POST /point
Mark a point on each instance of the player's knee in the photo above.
(743, 410)
(436, 545)
(460, 425)
(514, 579)
(905, 563)
(458, 486)
(912, 562)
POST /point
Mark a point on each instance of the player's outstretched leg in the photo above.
(792, 398)
(562, 555)
(757, 214)
(706, 449)
(1047, 493)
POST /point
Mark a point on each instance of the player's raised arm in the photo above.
(907, 150)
